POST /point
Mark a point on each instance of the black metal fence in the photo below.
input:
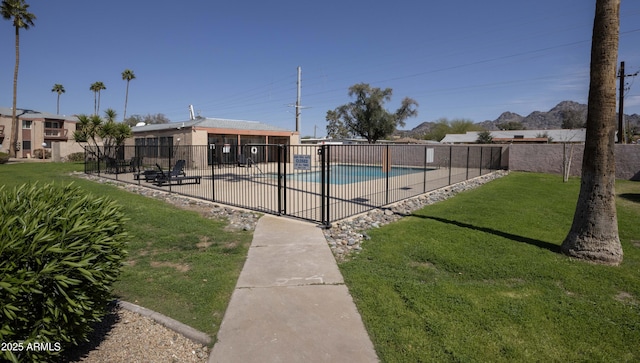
(321, 183)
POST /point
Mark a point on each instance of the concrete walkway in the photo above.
(290, 303)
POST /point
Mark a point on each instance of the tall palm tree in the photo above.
(96, 87)
(127, 75)
(18, 12)
(594, 232)
(59, 89)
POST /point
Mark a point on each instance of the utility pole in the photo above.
(622, 138)
(298, 101)
(297, 106)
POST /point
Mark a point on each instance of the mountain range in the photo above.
(536, 120)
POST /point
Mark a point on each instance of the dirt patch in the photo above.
(204, 243)
(180, 267)
(635, 243)
(426, 264)
(626, 298)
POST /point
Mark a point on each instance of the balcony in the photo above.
(55, 134)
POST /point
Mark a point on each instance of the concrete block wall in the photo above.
(547, 158)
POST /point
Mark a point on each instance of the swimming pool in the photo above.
(347, 174)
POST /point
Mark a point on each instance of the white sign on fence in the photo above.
(302, 162)
(430, 152)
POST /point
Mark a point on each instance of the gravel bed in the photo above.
(128, 337)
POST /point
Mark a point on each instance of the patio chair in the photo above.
(176, 174)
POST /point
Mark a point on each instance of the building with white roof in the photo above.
(521, 136)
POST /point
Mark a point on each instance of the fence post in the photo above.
(279, 162)
(285, 154)
(327, 161)
(212, 148)
(386, 165)
(481, 147)
(450, 162)
(424, 172)
(468, 152)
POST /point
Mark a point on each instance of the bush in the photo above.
(60, 252)
(75, 157)
(4, 158)
(37, 154)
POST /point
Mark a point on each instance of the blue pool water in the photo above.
(346, 174)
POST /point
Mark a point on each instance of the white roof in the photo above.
(559, 135)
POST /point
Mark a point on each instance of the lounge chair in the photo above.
(176, 175)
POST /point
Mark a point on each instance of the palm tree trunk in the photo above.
(594, 232)
(58, 105)
(13, 139)
(126, 99)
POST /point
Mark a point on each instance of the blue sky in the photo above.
(238, 59)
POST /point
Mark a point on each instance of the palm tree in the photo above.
(58, 88)
(127, 75)
(18, 11)
(594, 232)
(96, 87)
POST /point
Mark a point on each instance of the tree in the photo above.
(96, 87)
(443, 126)
(148, 119)
(366, 115)
(92, 129)
(59, 89)
(18, 12)
(335, 127)
(484, 137)
(510, 125)
(127, 75)
(594, 231)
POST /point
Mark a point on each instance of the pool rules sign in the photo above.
(302, 162)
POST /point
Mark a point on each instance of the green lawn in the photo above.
(476, 278)
(479, 278)
(179, 264)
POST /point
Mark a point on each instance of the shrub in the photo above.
(76, 157)
(37, 154)
(60, 252)
(4, 158)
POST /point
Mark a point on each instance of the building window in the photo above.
(26, 124)
(26, 145)
(52, 125)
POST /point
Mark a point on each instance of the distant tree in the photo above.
(335, 127)
(510, 125)
(127, 75)
(444, 126)
(367, 117)
(148, 119)
(594, 232)
(153, 119)
(59, 89)
(96, 87)
(18, 12)
(484, 137)
(572, 119)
